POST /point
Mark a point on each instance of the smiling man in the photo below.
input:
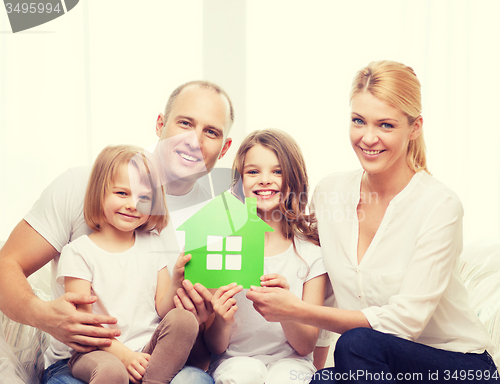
(193, 136)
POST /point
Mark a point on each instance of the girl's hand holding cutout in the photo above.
(224, 304)
(274, 280)
(179, 267)
(196, 299)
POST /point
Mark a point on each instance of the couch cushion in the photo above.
(480, 270)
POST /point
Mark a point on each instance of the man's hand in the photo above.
(136, 363)
(196, 299)
(78, 330)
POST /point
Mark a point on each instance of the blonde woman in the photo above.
(391, 240)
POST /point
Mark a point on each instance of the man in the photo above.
(195, 128)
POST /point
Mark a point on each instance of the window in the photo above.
(232, 260)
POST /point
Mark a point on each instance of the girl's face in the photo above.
(380, 134)
(125, 207)
(262, 177)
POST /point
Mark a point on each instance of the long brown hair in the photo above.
(294, 187)
(397, 85)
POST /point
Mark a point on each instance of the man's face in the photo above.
(196, 131)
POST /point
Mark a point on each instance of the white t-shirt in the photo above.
(407, 283)
(125, 283)
(58, 217)
(181, 208)
(252, 335)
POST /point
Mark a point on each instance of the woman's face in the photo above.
(380, 134)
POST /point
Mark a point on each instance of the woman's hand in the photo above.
(224, 304)
(273, 303)
(274, 280)
(135, 363)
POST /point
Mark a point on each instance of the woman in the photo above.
(391, 237)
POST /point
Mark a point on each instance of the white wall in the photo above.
(302, 58)
(98, 75)
(101, 74)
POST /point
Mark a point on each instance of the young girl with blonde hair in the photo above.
(401, 305)
(123, 263)
(246, 348)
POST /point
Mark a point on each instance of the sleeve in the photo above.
(158, 248)
(314, 259)
(436, 251)
(170, 245)
(325, 338)
(73, 263)
(59, 206)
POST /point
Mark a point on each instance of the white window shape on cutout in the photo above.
(233, 243)
(233, 262)
(214, 261)
(214, 243)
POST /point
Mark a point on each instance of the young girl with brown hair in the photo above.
(246, 348)
(123, 263)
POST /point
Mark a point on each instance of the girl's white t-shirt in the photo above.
(252, 335)
(124, 283)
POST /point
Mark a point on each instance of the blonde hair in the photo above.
(397, 85)
(103, 173)
(294, 187)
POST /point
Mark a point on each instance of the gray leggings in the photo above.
(169, 348)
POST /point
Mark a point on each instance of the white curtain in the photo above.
(100, 75)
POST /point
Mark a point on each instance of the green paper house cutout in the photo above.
(226, 242)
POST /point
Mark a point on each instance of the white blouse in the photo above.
(407, 283)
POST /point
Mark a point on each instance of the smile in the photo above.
(187, 157)
(129, 217)
(372, 152)
(265, 192)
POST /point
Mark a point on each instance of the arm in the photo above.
(134, 362)
(303, 337)
(276, 304)
(409, 279)
(426, 276)
(167, 288)
(219, 326)
(24, 253)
